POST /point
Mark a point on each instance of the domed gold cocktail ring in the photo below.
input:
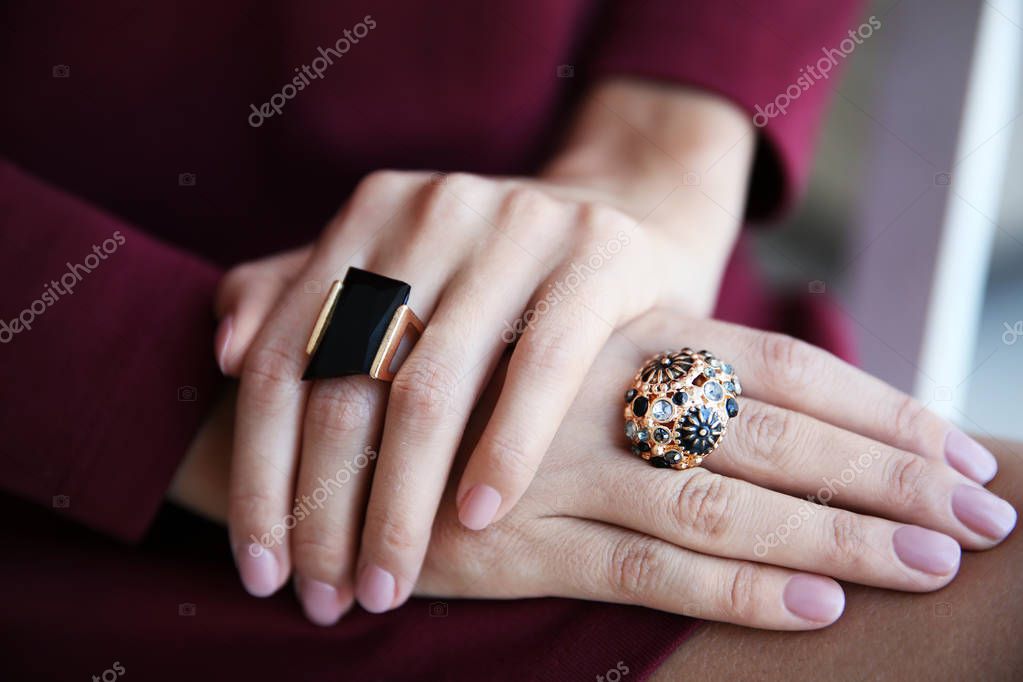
(678, 407)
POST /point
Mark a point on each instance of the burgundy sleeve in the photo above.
(760, 55)
(108, 365)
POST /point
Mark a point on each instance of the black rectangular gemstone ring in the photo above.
(360, 327)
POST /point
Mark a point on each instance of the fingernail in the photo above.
(983, 512)
(814, 597)
(223, 340)
(926, 550)
(259, 570)
(322, 603)
(969, 457)
(479, 507)
(375, 590)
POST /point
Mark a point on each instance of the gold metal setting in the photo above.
(326, 312)
(401, 321)
(678, 407)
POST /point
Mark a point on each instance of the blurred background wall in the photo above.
(916, 194)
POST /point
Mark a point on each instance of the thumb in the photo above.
(245, 298)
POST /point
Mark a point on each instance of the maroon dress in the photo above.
(148, 146)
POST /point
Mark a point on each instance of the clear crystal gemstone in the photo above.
(713, 391)
(662, 410)
(643, 435)
(727, 369)
(630, 430)
(738, 386)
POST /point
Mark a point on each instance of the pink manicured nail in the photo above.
(259, 570)
(479, 507)
(983, 512)
(814, 597)
(375, 590)
(223, 340)
(926, 550)
(969, 457)
(322, 603)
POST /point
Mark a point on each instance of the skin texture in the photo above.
(599, 524)
(968, 630)
(643, 169)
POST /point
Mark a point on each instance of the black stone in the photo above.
(630, 394)
(643, 447)
(357, 325)
(639, 406)
(659, 462)
(680, 398)
(673, 457)
(731, 407)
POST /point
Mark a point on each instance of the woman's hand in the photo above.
(736, 540)
(650, 180)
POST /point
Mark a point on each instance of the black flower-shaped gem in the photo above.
(699, 431)
(666, 367)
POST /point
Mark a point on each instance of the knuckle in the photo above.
(549, 350)
(509, 459)
(905, 480)
(525, 211)
(790, 363)
(635, 568)
(906, 422)
(741, 596)
(600, 220)
(396, 537)
(381, 183)
(249, 508)
(339, 408)
(269, 370)
(766, 432)
(845, 542)
(424, 386)
(318, 555)
(701, 504)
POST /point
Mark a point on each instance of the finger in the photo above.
(605, 563)
(341, 430)
(271, 396)
(245, 298)
(431, 398)
(801, 377)
(547, 367)
(789, 452)
(727, 517)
